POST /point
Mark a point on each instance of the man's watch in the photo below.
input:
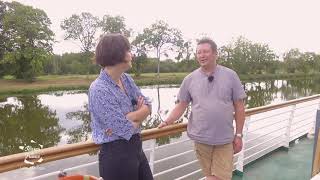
(240, 135)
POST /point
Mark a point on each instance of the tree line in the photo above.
(26, 42)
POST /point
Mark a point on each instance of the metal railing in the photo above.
(266, 129)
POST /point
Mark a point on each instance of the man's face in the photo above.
(205, 55)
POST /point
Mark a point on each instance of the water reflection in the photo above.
(25, 120)
(259, 93)
(269, 92)
(81, 132)
(62, 117)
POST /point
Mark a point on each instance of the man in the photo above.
(215, 93)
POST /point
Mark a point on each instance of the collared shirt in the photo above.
(211, 118)
(108, 106)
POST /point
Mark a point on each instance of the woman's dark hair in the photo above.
(111, 50)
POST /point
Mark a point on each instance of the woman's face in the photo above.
(128, 59)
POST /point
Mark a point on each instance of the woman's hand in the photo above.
(140, 113)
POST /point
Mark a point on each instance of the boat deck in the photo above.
(282, 164)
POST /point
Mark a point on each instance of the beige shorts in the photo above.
(215, 160)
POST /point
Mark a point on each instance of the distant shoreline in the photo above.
(82, 82)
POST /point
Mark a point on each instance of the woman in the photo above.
(117, 109)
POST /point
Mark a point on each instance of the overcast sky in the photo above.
(282, 24)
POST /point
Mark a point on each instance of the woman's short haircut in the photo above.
(111, 50)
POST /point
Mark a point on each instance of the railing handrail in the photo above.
(270, 107)
(16, 161)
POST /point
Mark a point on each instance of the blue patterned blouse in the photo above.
(108, 106)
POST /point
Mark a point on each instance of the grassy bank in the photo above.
(76, 82)
(82, 82)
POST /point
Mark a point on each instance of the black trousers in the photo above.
(124, 160)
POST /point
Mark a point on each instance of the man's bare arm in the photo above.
(239, 115)
(175, 114)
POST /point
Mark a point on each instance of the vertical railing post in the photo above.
(316, 148)
(152, 154)
(240, 163)
(288, 130)
(313, 128)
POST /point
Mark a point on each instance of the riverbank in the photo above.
(82, 82)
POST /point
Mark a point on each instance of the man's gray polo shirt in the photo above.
(211, 119)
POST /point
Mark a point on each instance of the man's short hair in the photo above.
(208, 41)
(111, 50)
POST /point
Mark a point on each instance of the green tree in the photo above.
(187, 65)
(273, 66)
(140, 54)
(137, 64)
(317, 63)
(78, 63)
(114, 24)
(185, 50)
(309, 62)
(52, 65)
(3, 38)
(247, 57)
(294, 61)
(225, 56)
(162, 38)
(261, 56)
(29, 40)
(240, 55)
(82, 28)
